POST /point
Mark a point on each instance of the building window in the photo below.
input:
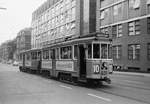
(135, 4)
(134, 52)
(104, 30)
(117, 52)
(134, 27)
(104, 14)
(117, 9)
(148, 51)
(148, 25)
(117, 31)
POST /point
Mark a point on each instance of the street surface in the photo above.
(23, 88)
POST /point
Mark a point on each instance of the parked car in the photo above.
(15, 63)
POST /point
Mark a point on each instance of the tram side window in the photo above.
(75, 51)
(66, 52)
(104, 51)
(52, 53)
(34, 55)
(57, 53)
(28, 56)
(89, 51)
(38, 55)
(96, 50)
(46, 54)
(109, 51)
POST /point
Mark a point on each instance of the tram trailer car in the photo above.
(30, 61)
(86, 59)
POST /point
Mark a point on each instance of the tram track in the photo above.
(108, 89)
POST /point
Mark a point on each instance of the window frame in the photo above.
(148, 51)
(132, 28)
(134, 55)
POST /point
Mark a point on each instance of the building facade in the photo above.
(7, 50)
(56, 20)
(128, 22)
(23, 40)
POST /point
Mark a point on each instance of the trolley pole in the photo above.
(1, 8)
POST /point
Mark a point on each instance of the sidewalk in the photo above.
(132, 74)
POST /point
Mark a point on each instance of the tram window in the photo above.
(28, 56)
(34, 55)
(96, 50)
(75, 51)
(109, 51)
(46, 54)
(89, 50)
(104, 51)
(57, 53)
(66, 52)
(38, 55)
(52, 54)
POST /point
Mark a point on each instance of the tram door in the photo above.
(82, 61)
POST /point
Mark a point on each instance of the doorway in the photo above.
(82, 61)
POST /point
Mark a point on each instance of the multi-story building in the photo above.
(23, 40)
(55, 20)
(128, 22)
(6, 50)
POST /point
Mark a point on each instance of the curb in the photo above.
(132, 74)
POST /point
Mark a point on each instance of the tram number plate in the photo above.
(96, 69)
(104, 73)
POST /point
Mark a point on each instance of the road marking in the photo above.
(105, 99)
(65, 87)
(136, 82)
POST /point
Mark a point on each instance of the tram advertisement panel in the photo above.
(65, 65)
(46, 64)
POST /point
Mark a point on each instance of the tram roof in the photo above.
(82, 39)
(31, 50)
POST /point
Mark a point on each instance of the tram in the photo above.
(80, 59)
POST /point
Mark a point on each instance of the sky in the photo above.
(17, 16)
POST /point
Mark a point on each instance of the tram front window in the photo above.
(104, 51)
(89, 51)
(75, 51)
(96, 50)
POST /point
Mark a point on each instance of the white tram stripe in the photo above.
(105, 99)
(65, 87)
